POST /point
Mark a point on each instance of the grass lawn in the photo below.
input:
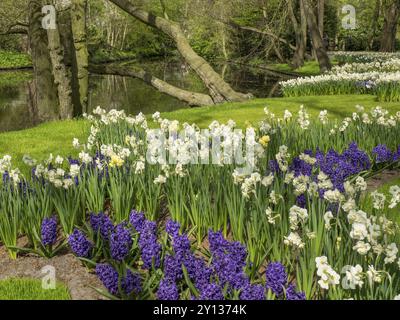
(310, 68)
(56, 137)
(31, 289)
(52, 137)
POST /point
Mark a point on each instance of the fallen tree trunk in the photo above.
(192, 98)
(220, 91)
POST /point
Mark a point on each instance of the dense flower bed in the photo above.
(379, 77)
(296, 208)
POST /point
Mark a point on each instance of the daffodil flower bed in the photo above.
(294, 204)
(380, 77)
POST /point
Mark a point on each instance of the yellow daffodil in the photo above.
(116, 161)
(264, 140)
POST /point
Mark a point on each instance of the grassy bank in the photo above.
(31, 289)
(56, 137)
(310, 68)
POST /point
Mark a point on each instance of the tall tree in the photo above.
(60, 72)
(220, 91)
(321, 16)
(42, 90)
(316, 39)
(300, 30)
(78, 24)
(392, 14)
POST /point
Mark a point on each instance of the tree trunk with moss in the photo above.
(42, 89)
(60, 73)
(219, 90)
(78, 24)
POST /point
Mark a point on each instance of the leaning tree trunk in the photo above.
(192, 98)
(60, 73)
(43, 92)
(78, 23)
(388, 40)
(219, 90)
(317, 42)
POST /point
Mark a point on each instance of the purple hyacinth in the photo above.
(167, 290)
(131, 283)
(382, 153)
(292, 294)
(339, 167)
(300, 167)
(212, 292)
(172, 268)
(79, 244)
(276, 278)
(301, 200)
(108, 276)
(150, 249)
(396, 156)
(172, 228)
(49, 231)
(273, 166)
(6, 177)
(101, 222)
(253, 292)
(111, 280)
(228, 260)
(120, 242)
(137, 220)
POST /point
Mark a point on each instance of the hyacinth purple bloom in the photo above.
(276, 278)
(131, 283)
(172, 228)
(167, 290)
(211, 292)
(101, 222)
(228, 260)
(120, 242)
(172, 268)
(49, 231)
(300, 167)
(382, 153)
(150, 249)
(110, 279)
(292, 294)
(301, 201)
(79, 244)
(396, 156)
(137, 220)
(341, 166)
(253, 292)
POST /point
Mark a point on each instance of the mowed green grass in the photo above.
(310, 68)
(56, 137)
(253, 111)
(53, 137)
(31, 289)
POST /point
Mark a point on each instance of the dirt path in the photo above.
(68, 269)
(382, 178)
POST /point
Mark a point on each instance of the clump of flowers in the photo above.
(49, 231)
(79, 244)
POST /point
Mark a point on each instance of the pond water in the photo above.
(130, 94)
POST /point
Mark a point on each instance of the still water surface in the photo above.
(132, 95)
